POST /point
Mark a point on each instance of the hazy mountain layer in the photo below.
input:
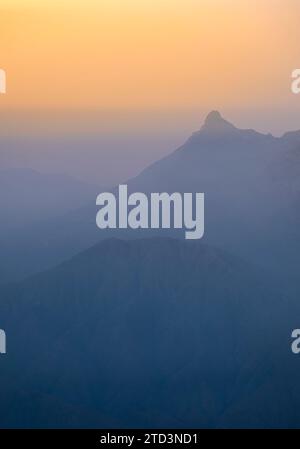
(150, 333)
(251, 183)
(27, 197)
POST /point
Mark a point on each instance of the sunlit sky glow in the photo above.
(148, 54)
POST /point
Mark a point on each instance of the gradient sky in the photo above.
(148, 53)
(129, 80)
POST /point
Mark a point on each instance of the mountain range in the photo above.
(150, 333)
(251, 183)
(144, 329)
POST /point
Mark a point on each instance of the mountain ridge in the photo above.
(151, 333)
(251, 185)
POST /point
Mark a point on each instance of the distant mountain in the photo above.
(252, 186)
(27, 196)
(149, 333)
(252, 193)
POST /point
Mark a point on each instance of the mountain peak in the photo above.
(213, 116)
(215, 123)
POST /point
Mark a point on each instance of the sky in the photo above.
(147, 63)
(148, 54)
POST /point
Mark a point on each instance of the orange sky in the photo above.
(148, 53)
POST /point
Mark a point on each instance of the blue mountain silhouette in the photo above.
(155, 333)
(252, 188)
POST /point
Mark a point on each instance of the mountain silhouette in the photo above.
(214, 123)
(251, 183)
(155, 333)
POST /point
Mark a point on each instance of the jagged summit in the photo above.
(215, 123)
(214, 127)
(213, 116)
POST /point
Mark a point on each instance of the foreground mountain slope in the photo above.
(149, 333)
